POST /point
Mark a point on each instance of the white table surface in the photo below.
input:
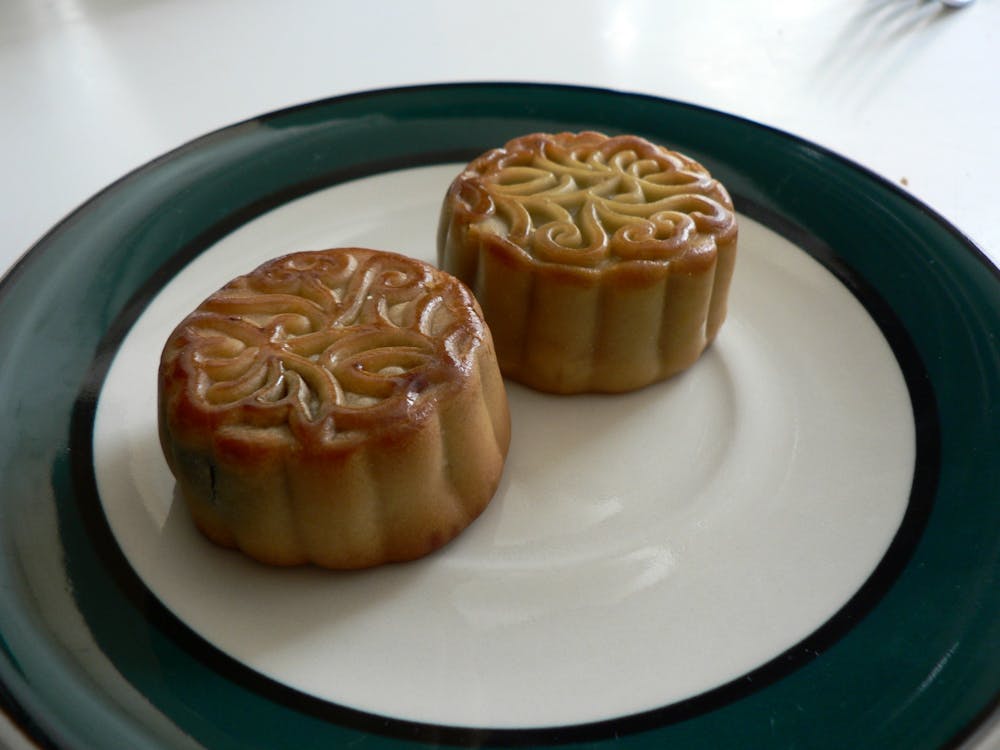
(90, 89)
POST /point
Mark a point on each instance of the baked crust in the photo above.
(341, 407)
(601, 264)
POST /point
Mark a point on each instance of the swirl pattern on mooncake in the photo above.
(342, 407)
(601, 264)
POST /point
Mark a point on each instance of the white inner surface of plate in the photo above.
(642, 548)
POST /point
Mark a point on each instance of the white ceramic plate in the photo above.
(795, 542)
(654, 528)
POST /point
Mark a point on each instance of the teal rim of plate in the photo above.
(913, 661)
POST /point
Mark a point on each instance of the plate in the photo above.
(794, 543)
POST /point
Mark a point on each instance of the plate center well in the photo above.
(642, 548)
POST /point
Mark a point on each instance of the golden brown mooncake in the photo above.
(601, 263)
(341, 407)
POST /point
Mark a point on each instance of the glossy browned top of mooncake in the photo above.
(588, 200)
(321, 349)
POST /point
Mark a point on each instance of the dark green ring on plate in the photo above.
(913, 661)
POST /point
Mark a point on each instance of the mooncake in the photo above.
(341, 407)
(602, 264)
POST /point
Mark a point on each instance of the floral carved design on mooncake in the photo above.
(325, 343)
(602, 264)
